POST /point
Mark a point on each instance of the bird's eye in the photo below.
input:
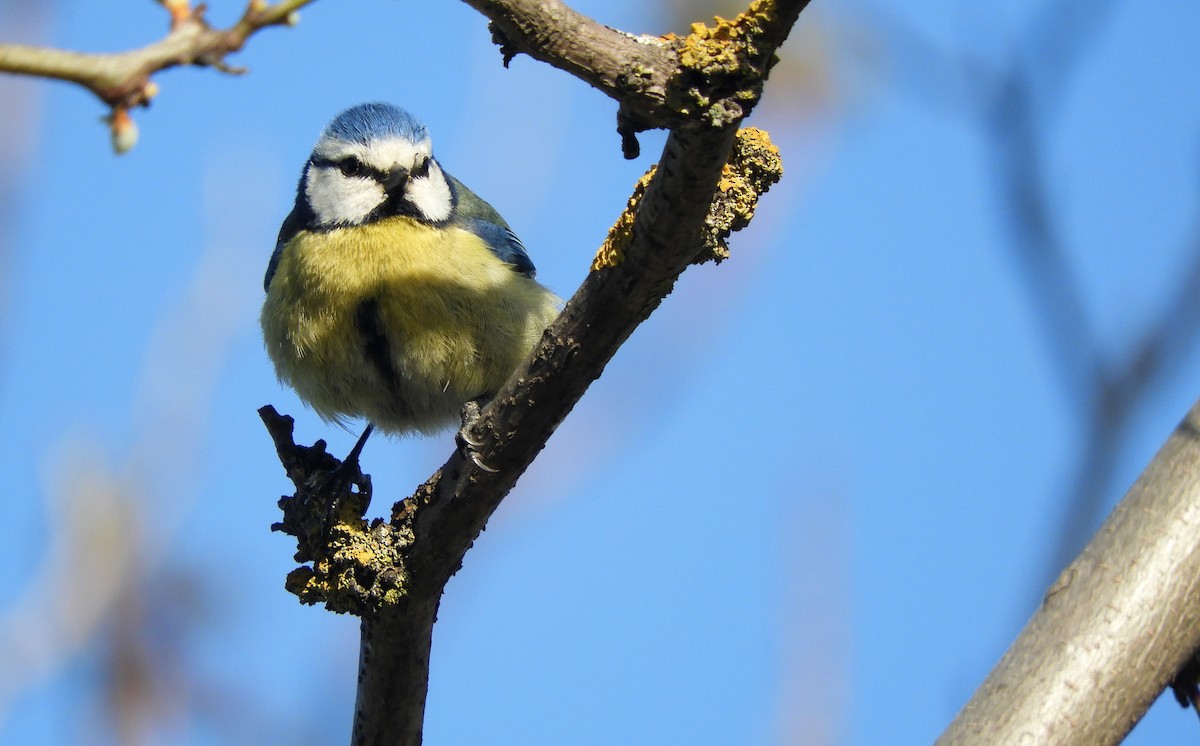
(351, 167)
(420, 170)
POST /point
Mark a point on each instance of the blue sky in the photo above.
(810, 501)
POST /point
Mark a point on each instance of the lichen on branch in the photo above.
(754, 167)
(713, 76)
(723, 66)
(352, 566)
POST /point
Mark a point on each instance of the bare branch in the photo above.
(122, 80)
(1114, 629)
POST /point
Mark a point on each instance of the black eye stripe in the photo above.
(351, 167)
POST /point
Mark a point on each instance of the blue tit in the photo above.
(395, 294)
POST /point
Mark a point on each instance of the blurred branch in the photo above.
(87, 562)
(122, 80)
(1059, 38)
(1121, 389)
(18, 129)
(1014, 103)
(705, 186)
(103, 579)
(1121, 621)
(1107, 389)
(1017, 155)
(1114, 629)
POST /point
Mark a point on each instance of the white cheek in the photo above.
(335, 198)
(430, 195)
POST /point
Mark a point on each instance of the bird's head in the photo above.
(373, 161)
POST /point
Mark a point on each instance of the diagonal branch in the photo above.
(1114, 629)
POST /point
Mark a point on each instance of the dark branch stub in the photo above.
(628, 128)
(1186, 684)
(353, 567)
(508, 50)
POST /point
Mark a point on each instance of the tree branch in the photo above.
(122, 80)
(705, 186)
(659, 81)
(1115, 628)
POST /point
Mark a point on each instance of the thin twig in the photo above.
(122, 80)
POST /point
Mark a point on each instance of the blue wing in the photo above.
(503, 243)
(473, 214)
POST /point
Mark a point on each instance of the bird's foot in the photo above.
(471, 412)
(468, 441)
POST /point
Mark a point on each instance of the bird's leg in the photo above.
(471, 412)
(352, 457)
(344, 478)
(349, 472)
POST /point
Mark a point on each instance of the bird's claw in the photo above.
(466, 440)
(479, 462)
(338, 485)
(471, 445)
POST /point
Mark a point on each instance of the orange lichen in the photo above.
(754, 166)
(722, 57)
(612, 251)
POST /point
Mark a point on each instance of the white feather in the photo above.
(335, 198)
(339, 199)
(431, 194)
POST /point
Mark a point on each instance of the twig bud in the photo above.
(124, 130)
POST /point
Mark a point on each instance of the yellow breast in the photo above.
(456, 321)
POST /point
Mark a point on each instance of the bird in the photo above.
(395, 294)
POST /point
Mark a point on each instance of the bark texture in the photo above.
(1116, 626)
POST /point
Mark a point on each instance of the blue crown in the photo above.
(367, 122)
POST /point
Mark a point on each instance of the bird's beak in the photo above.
(395, 178)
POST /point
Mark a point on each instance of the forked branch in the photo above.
(705, 186)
